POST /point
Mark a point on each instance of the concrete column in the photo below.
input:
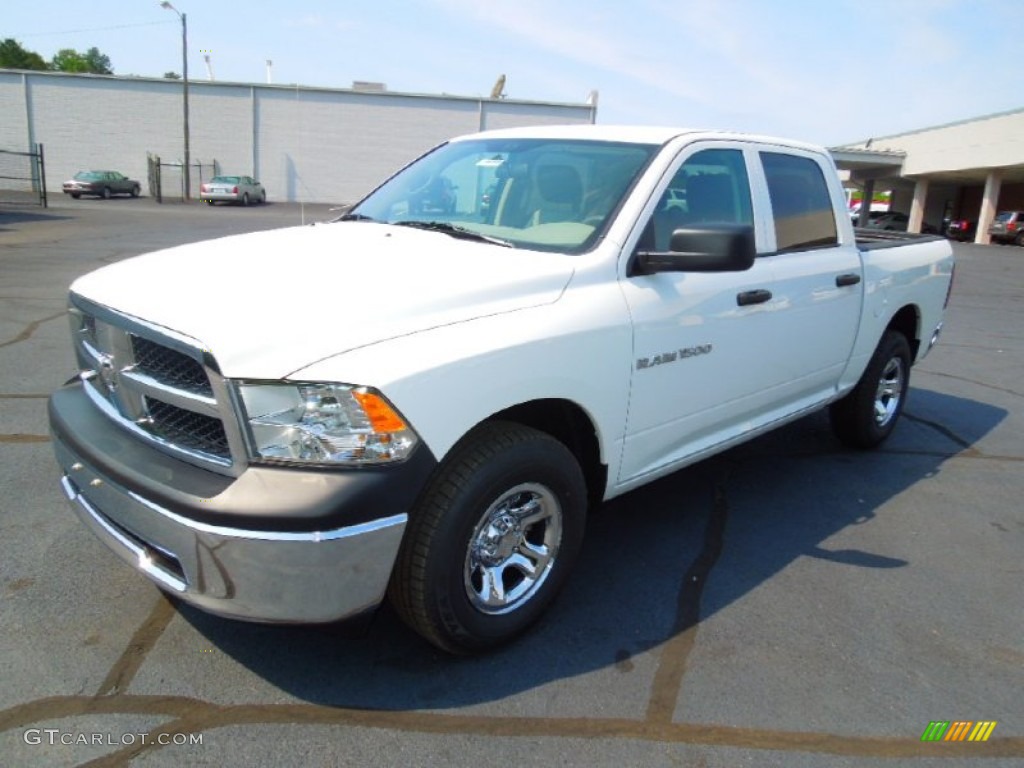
(993, 183)
(917, 205)
(865, 202)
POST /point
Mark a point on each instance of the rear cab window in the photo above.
(802, 209)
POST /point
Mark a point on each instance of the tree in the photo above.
(172, 75)
(13, 56)
(70, 60)
(99, 63)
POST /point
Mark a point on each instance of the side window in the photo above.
(801, 204)
(711, 187)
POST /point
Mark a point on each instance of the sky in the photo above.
(824, 71)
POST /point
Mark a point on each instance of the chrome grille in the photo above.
(188, 429)
(170, 367)
(160, 385)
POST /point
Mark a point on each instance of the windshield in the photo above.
(544, 194)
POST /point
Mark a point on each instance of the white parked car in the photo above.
(232, 189)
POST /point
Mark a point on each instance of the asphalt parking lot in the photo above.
(786, 603)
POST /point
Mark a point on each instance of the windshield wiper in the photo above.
(354, 217)
(455, 231)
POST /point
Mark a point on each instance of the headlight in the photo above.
(324, 424)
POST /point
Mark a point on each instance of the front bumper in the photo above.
(286, 568)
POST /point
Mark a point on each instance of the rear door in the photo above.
(818, 280)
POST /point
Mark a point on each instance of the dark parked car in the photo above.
(1008, 227)
(961, 229)
(103, 184)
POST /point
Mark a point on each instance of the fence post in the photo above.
(42, 175)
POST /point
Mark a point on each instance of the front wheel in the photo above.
(868, 414)
(492, 540)
(136, 190)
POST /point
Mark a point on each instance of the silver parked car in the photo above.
(233, 189)
(1008, 227)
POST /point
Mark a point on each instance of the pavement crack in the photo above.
(127, 666)
(676, 651)
(30, 329)
(1013, 392)
(19, 438)
(191, 716)
(942, 429)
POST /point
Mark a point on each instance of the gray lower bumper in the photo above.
(273, 576)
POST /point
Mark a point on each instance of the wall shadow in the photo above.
(623, 598)
(16, 216)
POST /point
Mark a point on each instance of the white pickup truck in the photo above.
(421, 399)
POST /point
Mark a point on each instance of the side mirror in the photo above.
(709, 248)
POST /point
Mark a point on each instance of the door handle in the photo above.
(848, 279)
(760, 296)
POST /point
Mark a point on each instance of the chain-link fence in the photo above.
(166, 180)
(23, 177)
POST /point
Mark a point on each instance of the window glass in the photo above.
(711, 187)
(800, 202)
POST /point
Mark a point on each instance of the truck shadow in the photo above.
(756, 509)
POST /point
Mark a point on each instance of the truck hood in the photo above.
(269, 303)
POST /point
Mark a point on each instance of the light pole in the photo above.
(184, 81)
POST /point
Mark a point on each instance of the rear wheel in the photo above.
(106, 193)
(868, 415)
(76, 195)
(492, 540)
(1020, 239)
(245, 198)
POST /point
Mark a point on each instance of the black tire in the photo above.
(245, 198)
(136, 190)
(209, 202)
(76, 195)
(868, 414)
(1019, 239)
(106, 193)
(263, 198)
(507, 496)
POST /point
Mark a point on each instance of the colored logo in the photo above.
(958, 730)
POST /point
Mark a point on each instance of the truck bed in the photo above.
(872, 239)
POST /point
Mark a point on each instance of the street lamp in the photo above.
(184, 81)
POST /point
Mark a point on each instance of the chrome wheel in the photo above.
(867, 415)
(889, 392)
(513, 548)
